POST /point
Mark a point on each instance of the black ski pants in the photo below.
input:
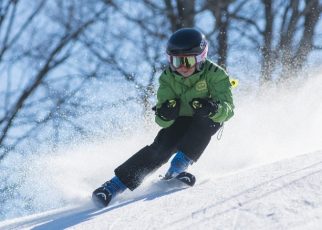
(190, 135)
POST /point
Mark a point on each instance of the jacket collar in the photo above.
(188, 81)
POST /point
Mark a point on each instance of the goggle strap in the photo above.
(169, 58)
(201, 57)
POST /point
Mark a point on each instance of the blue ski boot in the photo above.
(103, 195)
(179, 164)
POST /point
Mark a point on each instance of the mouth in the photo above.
(186, 72)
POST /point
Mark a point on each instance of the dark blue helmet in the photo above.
(187, 41)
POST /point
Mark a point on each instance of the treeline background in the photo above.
(74, 70)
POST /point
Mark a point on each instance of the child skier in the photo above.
(194, 99)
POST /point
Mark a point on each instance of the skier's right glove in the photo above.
(169, 110)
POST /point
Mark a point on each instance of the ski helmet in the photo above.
(187, 42)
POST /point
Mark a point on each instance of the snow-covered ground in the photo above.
(282, 195)
(265, 173)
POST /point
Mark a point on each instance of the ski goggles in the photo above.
(186, 61)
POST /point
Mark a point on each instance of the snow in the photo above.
(282, 195)
(265, 173)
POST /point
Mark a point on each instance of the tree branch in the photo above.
(47, 67)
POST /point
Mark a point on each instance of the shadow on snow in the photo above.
(72, 217)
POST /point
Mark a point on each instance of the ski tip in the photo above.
(187, 178)
(184, 177)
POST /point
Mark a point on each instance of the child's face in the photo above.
(186, 72)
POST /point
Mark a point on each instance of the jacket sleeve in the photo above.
(220, 91)
(165, 92)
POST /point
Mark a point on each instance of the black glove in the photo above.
(204, 107)
(169, 110)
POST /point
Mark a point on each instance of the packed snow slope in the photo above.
(255, 177)
(281, 195)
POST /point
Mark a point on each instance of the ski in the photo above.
(184, 177)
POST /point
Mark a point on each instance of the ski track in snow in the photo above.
(283, 195)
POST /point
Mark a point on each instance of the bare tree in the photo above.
(181, 13)
(51, 51)
(44, 53)
(146, 31)
(220, 11)
(287, 37)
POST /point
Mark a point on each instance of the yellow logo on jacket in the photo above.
(201, 86)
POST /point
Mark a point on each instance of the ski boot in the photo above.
(179, 164)
(103, 195)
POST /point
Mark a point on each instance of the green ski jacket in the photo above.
(211, 82)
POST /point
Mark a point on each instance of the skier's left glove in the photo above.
(169, 110)
(204, 107)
